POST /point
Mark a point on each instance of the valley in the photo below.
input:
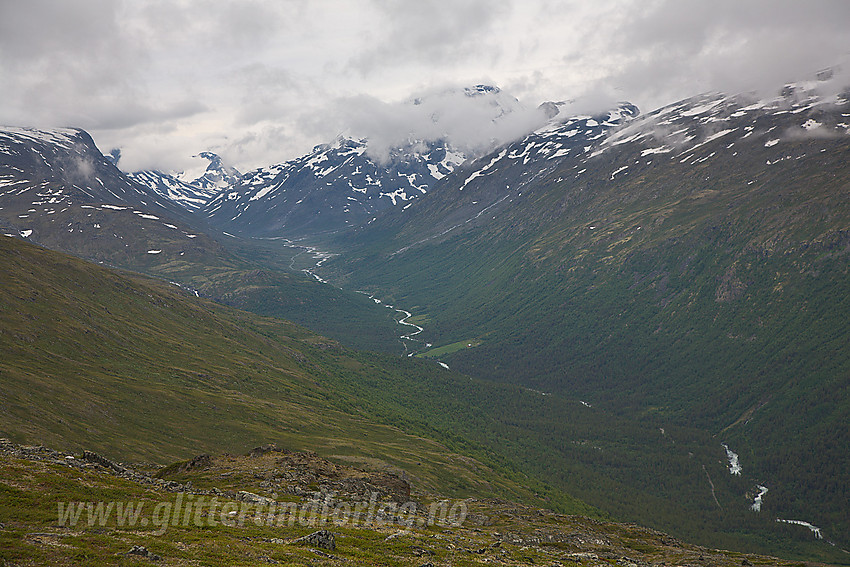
(636, 317)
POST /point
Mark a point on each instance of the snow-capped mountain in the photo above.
(58, 189)
(747, 130)
(47, 170)
(346, 183)
(734, 127)
(560, 137)
(334, 186)
(189, 196)
(210, 173)
(192, 188)
(509, 174)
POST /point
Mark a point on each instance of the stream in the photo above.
(403, 321)
(321, 257)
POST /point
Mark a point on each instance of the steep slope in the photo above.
(406, 149)
(137, 369)
(191, 189)
(63, 166)
(689, 267)
(336, 186)
(58, 190)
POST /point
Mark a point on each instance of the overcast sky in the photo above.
(262, 81)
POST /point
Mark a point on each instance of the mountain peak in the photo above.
(479, 90)
(114, 156)
(209, 173)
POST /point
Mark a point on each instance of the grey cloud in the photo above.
(221, 29)
(432, 32)
(275, 77)
(35, 29)
(112, 117)
(65, 63)
(474, 124)
(264, 144)
(269, 92)
(676, 48)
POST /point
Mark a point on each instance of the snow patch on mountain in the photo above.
(336, 185)
(191, 197)
(687, 129)
(63, 137)
(63, 166)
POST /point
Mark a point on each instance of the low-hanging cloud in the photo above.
(472, 120)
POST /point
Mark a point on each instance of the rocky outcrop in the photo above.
(92, 457)
(143, 552)
(322, 538)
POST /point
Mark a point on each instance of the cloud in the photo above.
(471, 120)
(77, 64)
(431, 32)
(265, 80)
(674, 48)
(34, 30)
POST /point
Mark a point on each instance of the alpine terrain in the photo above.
(618, 316)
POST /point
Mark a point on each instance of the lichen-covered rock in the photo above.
(321, 538)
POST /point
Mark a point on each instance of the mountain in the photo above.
(348, 182)
(683, 267)
(63, 166)
(59, 191)
(335, 186)
(210, 173)
(192, 189)
(169, 187)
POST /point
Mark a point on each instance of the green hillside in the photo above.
(133, 241)
(710, 294)
(60, 192)
(140, 370)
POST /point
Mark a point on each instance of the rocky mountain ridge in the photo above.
(190, 189)
(336, 186)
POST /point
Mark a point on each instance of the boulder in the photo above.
(143, 552)
(321, 538)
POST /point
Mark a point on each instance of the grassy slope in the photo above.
(494, 532)
(729, 301)
(123, 238)
(137, 370)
